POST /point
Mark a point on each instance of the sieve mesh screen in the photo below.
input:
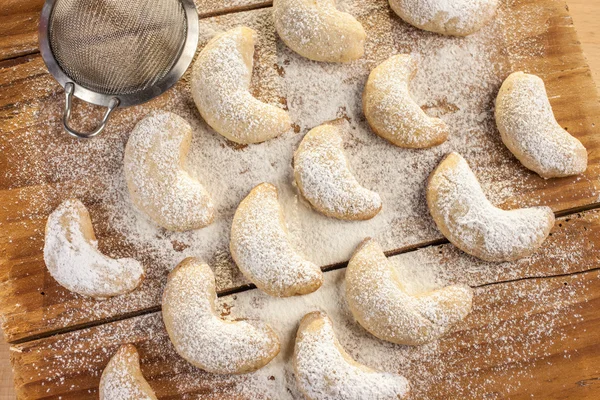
(117, 46)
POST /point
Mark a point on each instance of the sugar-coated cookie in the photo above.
(324, 178)
(467, 218)
(324, 370)
(201, 336)
(391, 111)
(262, 250)
(158, 184)
(448, 17)
(317, 30)
(379, 302)
(220, 86)
(73, 259)
(528, 128)
(122, 378)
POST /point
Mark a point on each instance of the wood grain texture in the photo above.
(527, 338)
(33, 304)
(19, 21)
(584, 13)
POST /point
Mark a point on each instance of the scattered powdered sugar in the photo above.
(318, 30)
(262, 250)
(122, 378)
(514, 329)
(325, 371)
(457, 81)
(528, 128)
(157, 184)
(73, 259)
(380, 303)
(446, 15)
(199, 334)
(324, 177)
(220, 82)
(473, 224)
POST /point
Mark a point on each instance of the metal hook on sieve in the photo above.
(69, 89)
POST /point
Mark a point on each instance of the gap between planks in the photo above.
(333, 267)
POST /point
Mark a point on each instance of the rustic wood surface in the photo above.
(34, 305)
(17, 38)
(535, 337)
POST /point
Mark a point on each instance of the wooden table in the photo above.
(585, 14)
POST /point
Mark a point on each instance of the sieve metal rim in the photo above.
(124, 100)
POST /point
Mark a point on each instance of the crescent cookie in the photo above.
(391, 111)
(528, 128)
(74, 261)
(467, 218)
(455, 17)
(324, 178)
(220, 87)
(316, 30)
(378, 301)
(201, 336)
(158, 184)
(325, 371)
(122, 378)
(262, 250)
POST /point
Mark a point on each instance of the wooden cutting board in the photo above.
(34, 306)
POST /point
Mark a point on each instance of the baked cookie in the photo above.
(379, 302)
(261, 249)
(530, 131)
(158, 184)
(316, 30)
(391, 111)
(201, 336)
(220, 86)
(324, 178)
(73, 259)
(325, 371)
(122, 378)
(466, 217)
(455, 17)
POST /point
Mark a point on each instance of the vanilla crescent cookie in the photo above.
(467, 218)
(454, 17)
(201, 336)
(220, 87)
(324, 370)
(262, 250)
(528, 128)
(315, 29)
(391, 111)
(74, 261)
(379, 302)
(324, 178)
(158, 184)
(122, 378)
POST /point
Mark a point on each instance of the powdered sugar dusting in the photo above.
(325, 371)
(528, 128)
(157, 184)
(324, 177)
(543, 310)
(457, 81)
(460, 17)
(473, 224)
(73, 259)
(198, 332)
(261, 248)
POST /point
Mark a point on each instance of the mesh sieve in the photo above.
(117, 53)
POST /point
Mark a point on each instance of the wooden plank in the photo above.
(20, 18)
(42, 166)
(531, 338)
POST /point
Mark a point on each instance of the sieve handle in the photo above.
(69, 89)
